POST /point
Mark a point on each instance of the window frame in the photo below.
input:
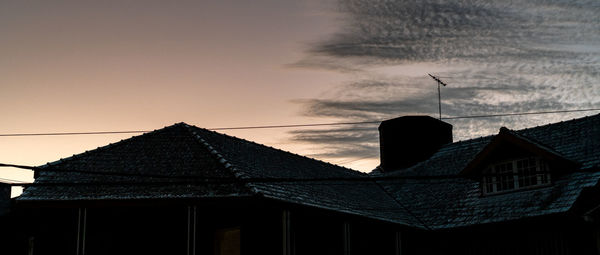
(519, 177)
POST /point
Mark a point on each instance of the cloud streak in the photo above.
(501, 56)
(463, 30)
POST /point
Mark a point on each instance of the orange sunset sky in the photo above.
(77, 66)
(142, 65)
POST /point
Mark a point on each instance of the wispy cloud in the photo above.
(463, 30)
(502, 56)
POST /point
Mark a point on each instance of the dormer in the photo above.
(511, 162)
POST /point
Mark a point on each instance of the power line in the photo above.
(12, 181)
(196, 178)
(330, 181)
(519, 113)
(226, 181)
(215, 129)
(186, 178)
(346, 161)
(18, 166)
(299, 125)
(191, 179)
(77, 133)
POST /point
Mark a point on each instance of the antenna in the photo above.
(439, 93)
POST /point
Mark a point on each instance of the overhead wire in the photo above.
(298, 125)
(154, 179)
(248, 179)
(346, 161)
(77, 133)
(13, 181)
(173, 179)
(519, 114)
(370, 178)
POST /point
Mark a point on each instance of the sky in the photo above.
(77, 66)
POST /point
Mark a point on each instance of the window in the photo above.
(515, 174)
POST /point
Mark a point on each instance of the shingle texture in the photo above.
(159, 164)
(183, 161)
(457, 202)
(250, 160)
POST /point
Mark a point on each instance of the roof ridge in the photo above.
(280, 150)
(467, 141)
(110, 145)
(523, 129)
(220, 158)
(387, 192)
(238, 173)
(561, 122)
(531, 140)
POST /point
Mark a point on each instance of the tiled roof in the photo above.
(183, 161)
(577, 140)
(458, 202)
(158, 162)
(449, 201)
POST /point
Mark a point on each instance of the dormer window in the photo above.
(515, 174)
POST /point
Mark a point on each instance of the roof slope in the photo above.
(318, 183)
(159, 164)
(448, 201)
(458, 202)
(183, 161)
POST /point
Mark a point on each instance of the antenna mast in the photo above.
(439, 93)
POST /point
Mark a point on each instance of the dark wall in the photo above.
(321, 232)
(136, 230)
(4, 198)
(49, 231)
(261, 229)
(153, 229)
(163, 229)
(316, 232)
(369, 237)
(552, 237)
(149, 229)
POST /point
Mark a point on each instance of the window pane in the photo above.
(505, 176)
(489, 184)
(527, 172)
(515, 174)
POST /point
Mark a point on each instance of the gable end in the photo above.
(509, 145)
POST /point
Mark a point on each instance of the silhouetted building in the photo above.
(187, 190)
(531, 191)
